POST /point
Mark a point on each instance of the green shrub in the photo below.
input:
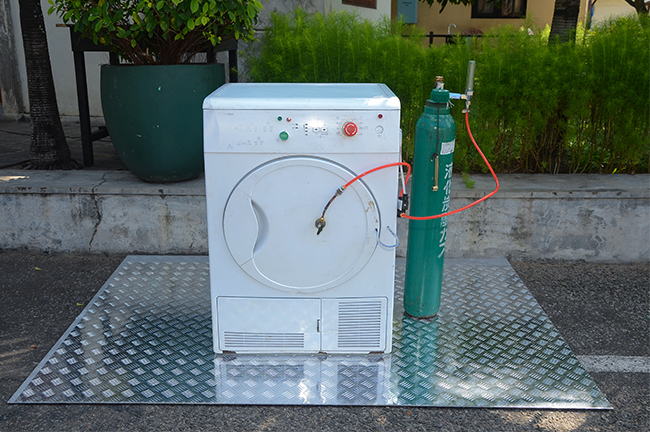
(168, 32)
(611, 105)
(520, 85)
(578, 107)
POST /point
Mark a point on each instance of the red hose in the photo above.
(403, 215)
(408, 173)
(344, 187)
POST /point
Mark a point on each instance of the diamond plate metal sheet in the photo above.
(147, 338)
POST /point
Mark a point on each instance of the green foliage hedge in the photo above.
(167, 32)
(537, 107)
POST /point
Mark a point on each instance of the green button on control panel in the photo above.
(284, 136)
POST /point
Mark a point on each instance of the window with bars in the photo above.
(372, 4)
(499, 9)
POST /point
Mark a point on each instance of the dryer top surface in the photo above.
(312, 96)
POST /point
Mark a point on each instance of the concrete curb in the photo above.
(600, 218)
(101, 211)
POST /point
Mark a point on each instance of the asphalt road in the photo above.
(600, 309)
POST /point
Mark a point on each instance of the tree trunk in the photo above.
(565, 21)
(641, 7)
(48, 149)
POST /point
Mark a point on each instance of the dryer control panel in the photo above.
(291, 131)
(301, 119)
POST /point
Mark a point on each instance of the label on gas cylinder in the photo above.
(447, 148)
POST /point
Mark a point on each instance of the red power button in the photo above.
(350, 129)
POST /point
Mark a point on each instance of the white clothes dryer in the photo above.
(275, 154)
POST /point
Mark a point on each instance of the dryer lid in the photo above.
(269, 225)
(302, 96)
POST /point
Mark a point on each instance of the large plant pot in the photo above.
(154, 116)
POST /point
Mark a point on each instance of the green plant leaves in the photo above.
(579, 107)
(159, 31)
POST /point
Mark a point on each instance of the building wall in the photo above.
(58, 39)
(540, 12)
(383, 9)
(429, 18)
(605, 9)
(286, 6)
(12, 67)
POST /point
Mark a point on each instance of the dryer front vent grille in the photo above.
(233, 340)
(359, 324)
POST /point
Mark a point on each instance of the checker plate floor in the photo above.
(146, 337)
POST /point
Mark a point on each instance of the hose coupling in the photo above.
(320, 225)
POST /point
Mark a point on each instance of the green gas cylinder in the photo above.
(435, 135)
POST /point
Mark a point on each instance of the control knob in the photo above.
(350, 129)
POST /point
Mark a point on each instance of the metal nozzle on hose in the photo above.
(469, 87)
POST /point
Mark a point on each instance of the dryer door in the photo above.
(269, 225)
